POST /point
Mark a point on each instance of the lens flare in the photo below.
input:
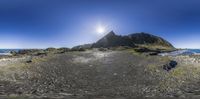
(100, 30)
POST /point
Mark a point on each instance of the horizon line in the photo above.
(71, 47)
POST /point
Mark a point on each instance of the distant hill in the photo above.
(85, 46)
(145, 38)
(132, 40)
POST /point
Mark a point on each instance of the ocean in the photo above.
(183, 52)
(7, 51)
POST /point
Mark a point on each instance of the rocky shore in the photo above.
(99, 74)
(187, 59)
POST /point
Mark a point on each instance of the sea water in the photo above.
(7, 51)
(183, 52)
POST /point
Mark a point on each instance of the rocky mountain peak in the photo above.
(110, 34)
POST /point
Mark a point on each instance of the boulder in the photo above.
(170, 65)
(153, 53)
(29, 59)
(14, 53)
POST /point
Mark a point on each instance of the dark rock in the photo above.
(170, 65)
(14, 53)
(34, 91)
(132, 40)
(29, 59)
(23, 52)
(102, 49)
(153, 53)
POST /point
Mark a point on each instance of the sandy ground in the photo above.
(98, 75)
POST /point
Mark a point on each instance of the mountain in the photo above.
(132, 40)
(113, 40)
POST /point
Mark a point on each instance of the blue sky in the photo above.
(58, 23)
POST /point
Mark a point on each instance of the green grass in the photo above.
(132, 51)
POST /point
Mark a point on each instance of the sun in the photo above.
(100, 30)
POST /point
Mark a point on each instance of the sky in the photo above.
(66, 23)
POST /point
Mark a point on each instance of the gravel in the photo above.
(97, 74)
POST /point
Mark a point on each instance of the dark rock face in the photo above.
(170, 65)
(113, 40)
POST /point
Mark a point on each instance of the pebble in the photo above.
(90, 65)
(114, 74)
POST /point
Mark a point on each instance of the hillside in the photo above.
(132, 40)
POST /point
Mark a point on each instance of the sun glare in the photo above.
(100, 30)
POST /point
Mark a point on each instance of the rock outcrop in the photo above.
(170, 65)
